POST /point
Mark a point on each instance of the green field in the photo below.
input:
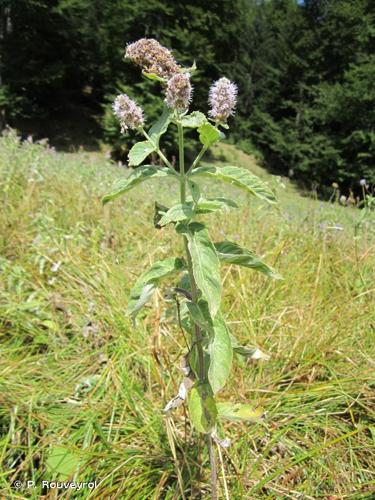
(82, 388)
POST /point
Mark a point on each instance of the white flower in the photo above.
(179, 91)
(222, 99)
(130, 115)
(152, 57)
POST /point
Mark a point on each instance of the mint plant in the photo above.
(208, 360)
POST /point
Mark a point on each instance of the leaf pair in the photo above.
(208, 133)
(185, 211)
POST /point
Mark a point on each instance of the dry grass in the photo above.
(76, 375)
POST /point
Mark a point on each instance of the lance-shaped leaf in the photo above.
(136, 177)
(179, 212)
(213, 204)
(194, 120)
(251, 352)
(195, 191)
(184, 211)
(248, 352)
(200, 315)
(208, 134)
(160, 126)
(153, 76)
(206, 266)
(239, 177)
(202, 408)
(232, 253)
(147, 283)
(139, 152)
(238, 412)
(221, 354)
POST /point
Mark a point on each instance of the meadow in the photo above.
(82, 388)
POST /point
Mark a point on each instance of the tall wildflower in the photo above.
(130, 115)
(204, 376)
(179, 91)
(222, 99)
(152, 57)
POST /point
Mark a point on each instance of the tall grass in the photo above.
(79, 382)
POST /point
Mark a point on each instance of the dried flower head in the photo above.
(128, 112)
(335, 185)
(222, 99)
(152, 57)
(343, 199)
(363, 182)
(179, 91)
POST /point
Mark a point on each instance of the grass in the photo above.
(81, 388)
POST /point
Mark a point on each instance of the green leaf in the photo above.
(159, 211)
(195, 120)
(153, 76)
(221, 354)
(206, 266)
(239, 177)
(200, 315)
(231, 253)
(147, 283)
(62, 463)
(250, 352)
(202, 408)
(238, 412)
(137, 176)
(214, 204)
(160, 126)
(195, 191)
(178, 213)
(208, 134)
(139, 152)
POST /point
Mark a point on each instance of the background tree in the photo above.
(304, 70)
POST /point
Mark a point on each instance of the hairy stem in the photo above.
(198, 158)
(211, 453)
(158, 151)
(194, 292)
(194, 289)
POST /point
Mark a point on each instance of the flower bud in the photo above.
(130, 115)
(179, 91)
(222, 99)
(152, 57)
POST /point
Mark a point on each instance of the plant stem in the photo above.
(194, 289)
(158, 151)
(211, 453)
(194, 292)
(198, 158)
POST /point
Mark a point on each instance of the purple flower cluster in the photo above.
(128, 112)
(222, 99)
(179, 91)
(152, 57)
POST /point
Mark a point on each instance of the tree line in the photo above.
(305, 71)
